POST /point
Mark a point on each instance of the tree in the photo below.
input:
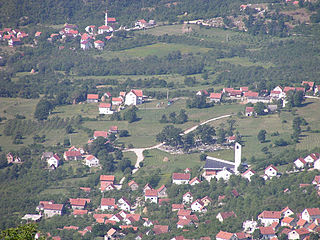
(43, 109)
(131, 115)
(69, 129)
(124, 133)
(203, 156)
(163, 119)
(298, 98)
(259, 108)
(170, 135)
(24, 232)
(182, 117)
(262, 135)
(221, 135)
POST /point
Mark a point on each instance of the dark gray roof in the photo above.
(217, 164)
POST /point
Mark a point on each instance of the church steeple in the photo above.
(106, 18)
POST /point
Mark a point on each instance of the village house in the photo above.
(287, 222)
(105, 29)
(32, 217)
(269, 217)
(106, 186)
(151, 195)
(286, 212)
(177, 207)
(53, 162)
(50, 209)
(184, 222)
(13, 159)
(133, 185)
(92, 161)
(97, 134)
(267, 232)
(91, 29)
(124, 204)
(202, 93)
(141, 23)
(310, 214)
(249, 111)
(159, 229)
(249, 226)
(311, 158)
(134, 97)
(72, 155)
(225, 236)
(187, 198)
(105, 108)
(107, 204)
(98, 44)
(248, 174)
(116, 101)
(79, 203)
(162, 192)
(92, 98)
(181, 178)
(206, 200)
(309, 85)
(113, 130)
(300, 163)
(225, 215)
(300, 233)
(194, 181)
(147, 187)
(270, 172)
(198, 206)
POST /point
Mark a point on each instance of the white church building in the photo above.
(222, 169)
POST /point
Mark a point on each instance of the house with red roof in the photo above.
(105, 29)
(202, 93)
(181, 178)
(124, 204)
(14, 42)
(250, 94)
(269, 217)
(98, 44)
(194, 181)
(198, 206)
(53, 162)
(270, 172)
(162, 192)
(225, 215)
(309, 84)
(134, 97)
(215, 97)
(184, 222)
(92, 161)
(225, 236)
(116, 101)
(244, 89)
(300, 233)
(50, 209)
(151, 195)
(113, 129)
(206, 200)
(310, 214)
(133, 185)
(105, 108)
(72, 155)
(106, 186)
(248, 174)
(287, 222)
(177, 207)
(108, 204)
(311, 158)
(159, 229)
(146, 187)
(267, 232)
(97, 134)
(300, 163)
(187, 197)
(141, 23)
(79, 203)
(92, 98)
(286, 212)
(249, 111)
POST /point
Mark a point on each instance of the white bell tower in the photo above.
(106, 18)
(237, 157)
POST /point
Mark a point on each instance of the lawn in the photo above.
(168, 29)
(176, 163)
(158, 49)
(245, 62)
(9, 107)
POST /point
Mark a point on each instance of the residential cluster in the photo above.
(13, 37)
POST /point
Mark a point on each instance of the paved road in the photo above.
(139, 151)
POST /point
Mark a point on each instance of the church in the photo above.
(218, 168)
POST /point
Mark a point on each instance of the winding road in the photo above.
(139, 151)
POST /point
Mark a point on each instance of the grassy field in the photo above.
(158, 49)
(245, 62)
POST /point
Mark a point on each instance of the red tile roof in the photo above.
(79, 201)
(100, 134)
(86, 189)
(53, 206)
(215, 95)
(108, 201)
(137, 92)
(79, 212)
(183, 212)
(271, 166)
(158, 229)
(226, 215)
(105, 105)
(109, 178)
(251, 94)
(93, 96)
(181, 176)
(151, 193)
(249, 109)
(267, 231)
(70, 227)
(224, 235)
(111, 19)
(270, 214)
(313, 211)
(177, 206)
